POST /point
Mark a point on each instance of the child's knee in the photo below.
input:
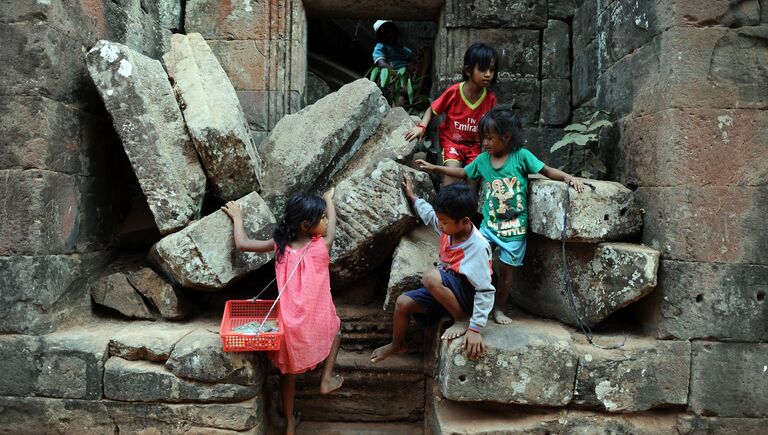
(404, 303)
(431, 278)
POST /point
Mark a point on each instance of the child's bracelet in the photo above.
(422, 127)
(473, 329)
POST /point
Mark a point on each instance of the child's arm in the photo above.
(556, 174)
(423, 209)
(330, 212)
(243, 243)
(445, 170)
(476, 267)
(420, 129)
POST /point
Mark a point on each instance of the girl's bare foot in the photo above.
(383, 352)
(500, 318)
(331, 384)
(456, 330)
(291, 422)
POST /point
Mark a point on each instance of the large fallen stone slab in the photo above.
(200, 357)
(416, 253)
(305, 149)
(605, 277)
(148, 341)
(161, 294)
(203, 255)
(528, 362)
(114, 291)
(138, 95)
(605, 211)
(214, 117)
(144, 381)
(18, 354)
(641, 375)
(373, 213)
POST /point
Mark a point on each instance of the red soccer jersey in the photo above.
(461, 118)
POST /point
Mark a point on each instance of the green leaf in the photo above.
(384, 77)
(597, 124)
(586, 174)
(559, 144)
(576, 127)
(401, 71)
(584, 138)
(374, 73)
(409, 90)
(598, 164)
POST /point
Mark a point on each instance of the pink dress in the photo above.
(309, 319)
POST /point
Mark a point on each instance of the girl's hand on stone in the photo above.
(574, 182)
(328, 196)
(424, 166)
(233, 210)
(416, 133)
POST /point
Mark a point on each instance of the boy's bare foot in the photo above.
(384, 352)
(456, 330)
(500, 318)
(332, 384)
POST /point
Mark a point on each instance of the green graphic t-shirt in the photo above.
(505, 190)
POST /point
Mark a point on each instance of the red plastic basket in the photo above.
(237, 313)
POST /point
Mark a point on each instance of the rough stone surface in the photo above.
(204, 256)
(17, 363)
(307, 148)
(416, 253)
(214, 118)
(317, 88)
(721, 425)
(708, 300)
(522, 93)
(199, 357)
(170, 303)
(42, 292)
(144, 381)
(114, 291)
(280, 19)
(584, 74)
(604, 277)
(148, 341)
(562, 9)
(729, 379)
(141, 101)
(555, 51)
(642, 375)
(490, 13)
(529, 362)
(604, 211)
(97, 417)
(373, 213)
(416, 11)
(555, 101)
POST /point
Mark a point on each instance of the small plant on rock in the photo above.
(399, 88)
(585, 134)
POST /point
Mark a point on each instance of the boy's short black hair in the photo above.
(456, 201)
(389, 26)
(480, 55)
(503, 120)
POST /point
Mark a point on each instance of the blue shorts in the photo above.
(511, 253)
(460, 287)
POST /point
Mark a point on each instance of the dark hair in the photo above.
(479, 55)
(503, 121)
(300, 208)
(383, 28)
(457, 201)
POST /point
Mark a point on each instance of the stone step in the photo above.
(337, 428)
(365, 327)
(390, 391)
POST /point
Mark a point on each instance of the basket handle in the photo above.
(280, 293)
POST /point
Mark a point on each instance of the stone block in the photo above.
(562, 9)
(605, 277)
(41, 292)
(199, 357)
(263, 109)
(707, 223)
(71, 362)
(686, 147)
(203, 255)
(604, 211)
(18, 355)
(148, 341)
(171, 303)
(144, 381)
(539, 140)
(584, 25)
(524, 94)
(114, 291)
(416, 253)
(618, 87)
(373, 214)
(317, 88)
(492, 13)
(54, 213)
(215, 121)
(555, 101)
(258, 20)
(529, 362)
(721, 425)
(518, 50)
(584, 74)
(307, 148)
(708, 300)
(556, 51)
(35, 415)
(625, 26)
(246, 63)
(729, 380)
(642, 375)
(136, 92)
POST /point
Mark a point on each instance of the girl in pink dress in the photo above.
(310, 324)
